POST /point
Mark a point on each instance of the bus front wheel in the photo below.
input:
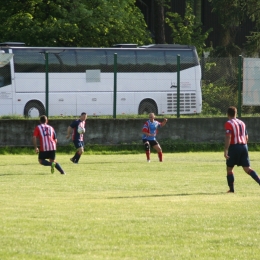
(34, 109)
(147, 107)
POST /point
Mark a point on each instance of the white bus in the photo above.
(82, 79)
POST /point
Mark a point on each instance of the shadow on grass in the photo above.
(27, 174)
(167, 195)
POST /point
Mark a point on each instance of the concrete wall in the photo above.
(117, 131)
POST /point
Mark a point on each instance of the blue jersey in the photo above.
(75, 124)
(152, 128)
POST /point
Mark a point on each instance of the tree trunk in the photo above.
(159, 25)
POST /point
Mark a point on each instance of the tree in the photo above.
(252, 8)
(160, 21)
(72, 22)
(186, 30)
(232, 14)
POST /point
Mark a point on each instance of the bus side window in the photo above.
(5, 75)
(150, 61)
(91, 60)
(62, 61)
(187, 59)
(126, 60)
(29, 61)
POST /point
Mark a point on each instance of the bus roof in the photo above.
(168, 46)
(7, 44)
(21, 45)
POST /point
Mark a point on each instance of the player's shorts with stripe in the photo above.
(78, 143)
(47, 155)
(238, 155)
(151, 142)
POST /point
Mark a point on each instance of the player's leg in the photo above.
(42, 159)
(158, 148)
(79, 152)
(245, 162)
(80, 149)
(252, 173)
(230, 179)
(234, 154)
(147, 149)
(55, 164)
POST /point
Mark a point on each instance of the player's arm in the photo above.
(69, 130)
(227, 143)
(164, 122)
(145, 131)
(35, 144)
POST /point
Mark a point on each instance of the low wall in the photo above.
(116, 131)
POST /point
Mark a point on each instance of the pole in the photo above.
(47, 83)
(178, 86)
(239, 107)
(115, 84)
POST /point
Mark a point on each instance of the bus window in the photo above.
(62, 61)
(187, 59)
(126, 60)
(26, 60)
(5, 75)
(150, 61)
(91, 60)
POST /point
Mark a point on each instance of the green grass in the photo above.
(121, 207)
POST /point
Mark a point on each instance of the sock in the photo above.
(74, 157)
(58, 167)
(230, 181)
(77, 157)
(254, 175)
(147, 154)
(160, 156)
(45, 163)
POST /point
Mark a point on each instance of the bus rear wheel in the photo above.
(147, 107)
(34, 109)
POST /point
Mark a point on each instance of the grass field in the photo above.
(121, 207)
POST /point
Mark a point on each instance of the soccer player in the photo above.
(48, 140)
(236, 151)
(150, 130)
(77, 138)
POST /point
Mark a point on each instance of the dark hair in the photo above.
(83, 113)
(43, 119)
(232, 111)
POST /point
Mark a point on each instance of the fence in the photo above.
(222, 85)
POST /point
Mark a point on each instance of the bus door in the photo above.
(6, 88)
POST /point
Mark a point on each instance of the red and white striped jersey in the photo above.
(47, 137)
(237, 129)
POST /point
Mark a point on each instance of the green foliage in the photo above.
(72, 23)
(232, 14)
(186, 30)
(217, 97)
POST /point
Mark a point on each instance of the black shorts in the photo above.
(47, 155)
(78, 144)
(238, 155)
(151, 142)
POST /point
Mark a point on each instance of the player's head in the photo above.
(43, 119)
(151, 116)
(83, 116)
(232, 112)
